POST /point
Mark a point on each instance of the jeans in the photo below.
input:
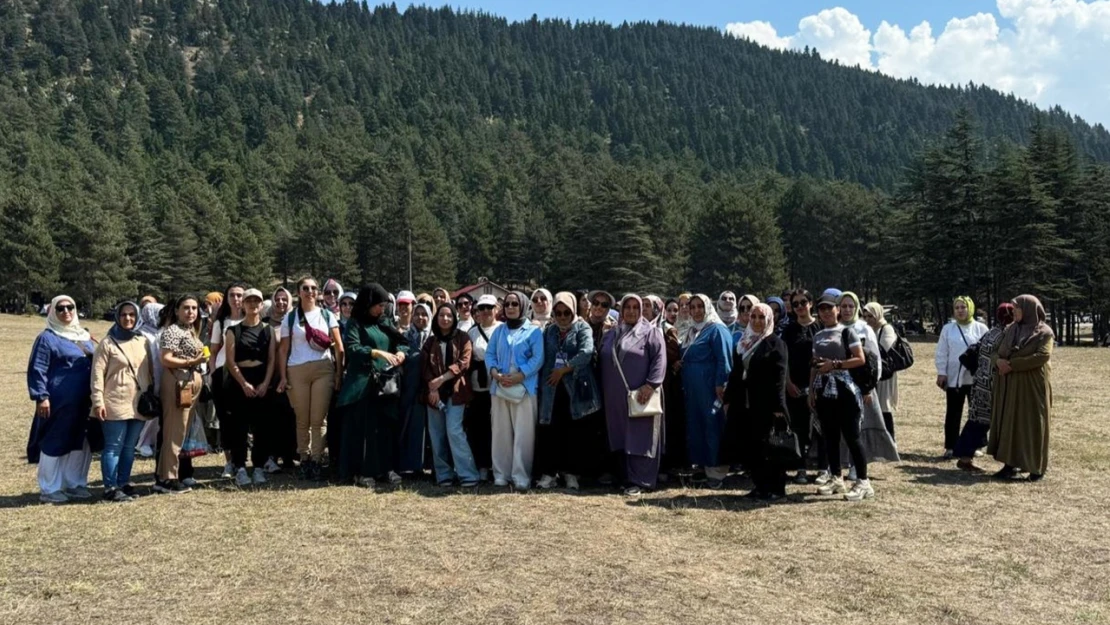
(119, 451)
(449, 443)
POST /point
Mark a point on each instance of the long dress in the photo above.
(643, 358)
(706, 364)
(370, 419)
(877, 444)
(974, 434)
(413, 412)
(1022, 406)
(59, 370)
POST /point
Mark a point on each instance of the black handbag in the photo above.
(150, 404)
(970, 358)
(782, 445)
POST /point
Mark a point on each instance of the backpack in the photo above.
(867, 376)
(898, 358)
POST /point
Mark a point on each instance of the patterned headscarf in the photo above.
(750, 338)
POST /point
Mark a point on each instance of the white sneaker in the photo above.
(823, 478)
(860, 490)
(835, 486)
(271, 467)
(54, 497)
(229, 470)
(572, 482)
(259, 476)
(241, 478)
(547, 481)
(146, 451)
(190, 482)
(801, 477)
(394, 478)
(978, 453)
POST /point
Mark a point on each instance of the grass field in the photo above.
(934, 546)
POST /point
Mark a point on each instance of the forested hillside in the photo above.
(162, 145)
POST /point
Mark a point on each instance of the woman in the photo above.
(653, 308)
(150, 323)
(440, 296)
(726, 308)
(706, 362)
(427, 300)
(798, 338)
(183, 353)
(887, 337)
(570, 397)
(476, 419)
(284, 440)
(414, 412)
(58, 382)
(405, 301)
(583, 304)
(682, 319)
(601, 303)
(446, 359)
(743, 317)
(955, 338)
(370, 392)
(346, 304)
(836, 399)
(229, 314)
(310, 366)
(541, 308)
(251, 358)
(332, 293)
(778, 311)
(465, 305)
(1022, 395)
(974, 434)
(513, 359)
(878, 445)
(755, 401)
(674, 399)
(121, 371)
(670, 314)
(634, 359)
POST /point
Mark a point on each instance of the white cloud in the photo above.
(1047, 51)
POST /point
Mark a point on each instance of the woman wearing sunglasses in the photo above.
(58, 382)
(332, 292)
(798, 337)
(541, 308)
(310, 366)
(706, 364)
(514, 359)
(464, 304)
(476, 419)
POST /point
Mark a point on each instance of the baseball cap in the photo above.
(249, 293)
(405, 297)
(828, 298)
(487, 300)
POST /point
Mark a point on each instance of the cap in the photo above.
(828, 298)
(487, 300)
(249, 293)
(405, 297)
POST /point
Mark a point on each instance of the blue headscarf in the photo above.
(117, 332)
(781, 316)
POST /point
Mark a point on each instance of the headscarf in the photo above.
(695, 328)
(656, 306)
(267, 308)
(781, 315)
(117, 332)
(628, 333)
(542, 320)
(566, 298)
(339, 288)
(751, 299)
(876, 310)
(273, 298)
(855, 298)
(1004, 315)
(351, 295)
(150, 318)
(1032, 326)
(71, 331)
(750, 340)
(726, 310)
(368, 297)
(970, 310)
(525, 310)
(683, 322)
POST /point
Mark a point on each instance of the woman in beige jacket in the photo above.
(121, 371)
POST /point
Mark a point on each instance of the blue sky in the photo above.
(1050, 52)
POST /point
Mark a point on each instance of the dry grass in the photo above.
(934, 546)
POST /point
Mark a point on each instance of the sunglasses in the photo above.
(802, 303)
(485, 308)
(331, 292)
(512, 304)
(539, 299)
(463, 303)
(310, 289)
(563, 313)
(601, 304)
(65, 308)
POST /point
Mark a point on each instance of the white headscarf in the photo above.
(427, 331)
(538, 320)
(71, 331)
(725, 309)
(711, 317)
(751, 340)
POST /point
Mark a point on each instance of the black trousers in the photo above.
(954, 413)
(767, 478)
(334, 433)
(798, 407)
(840, 417)
(478, 425)
(566, 445)
(247, 415)
(282, 425)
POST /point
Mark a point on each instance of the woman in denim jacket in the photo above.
(569, 393)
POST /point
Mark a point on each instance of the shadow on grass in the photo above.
(725, 501)
(944, 475)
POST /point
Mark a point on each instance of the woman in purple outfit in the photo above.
(642, 355)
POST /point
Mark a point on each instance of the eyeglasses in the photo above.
(563, 313)
(65, 308)
(601, 304)
(512, 304)
(801, 303)
(310, 289)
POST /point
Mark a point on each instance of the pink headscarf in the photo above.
(750, 339)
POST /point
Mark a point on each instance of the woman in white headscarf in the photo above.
(150, 324)
(726, 308)
(58, 376)
(706, 363)
(744, 308)
(541, 308)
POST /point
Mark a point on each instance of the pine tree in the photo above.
(29, 261)
(736, 244)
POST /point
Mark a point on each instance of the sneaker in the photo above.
(633, 491)
(394, 478)
(835, 486)
(483, 475)
(801, 477)
(78, 492)
(500, 482)
(824, 477)
(572, 481)
(229, 470)
(978, 453)
(860, 490)
(241, 477)
(259, 476)
(547, 481)
(525, 487)
(949, 454)
(271, 466)
(146, 451)
(130, 491)
(715, 484)
(116, 495)
(367, 482)
(171, 487)
(190, 482)
(54, 497)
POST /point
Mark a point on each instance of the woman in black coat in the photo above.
(756, 397)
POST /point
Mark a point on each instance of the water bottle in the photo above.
(441, 407)
(717, 405)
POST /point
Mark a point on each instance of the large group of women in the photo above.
(370, 388)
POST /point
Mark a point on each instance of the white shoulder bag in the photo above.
(654, 405)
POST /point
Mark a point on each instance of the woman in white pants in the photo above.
(514, 358)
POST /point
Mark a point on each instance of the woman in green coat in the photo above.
(1022, 395)
(375, 352)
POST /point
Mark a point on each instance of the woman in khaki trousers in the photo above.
(182, 355)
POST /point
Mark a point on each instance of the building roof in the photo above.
(482, 286)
